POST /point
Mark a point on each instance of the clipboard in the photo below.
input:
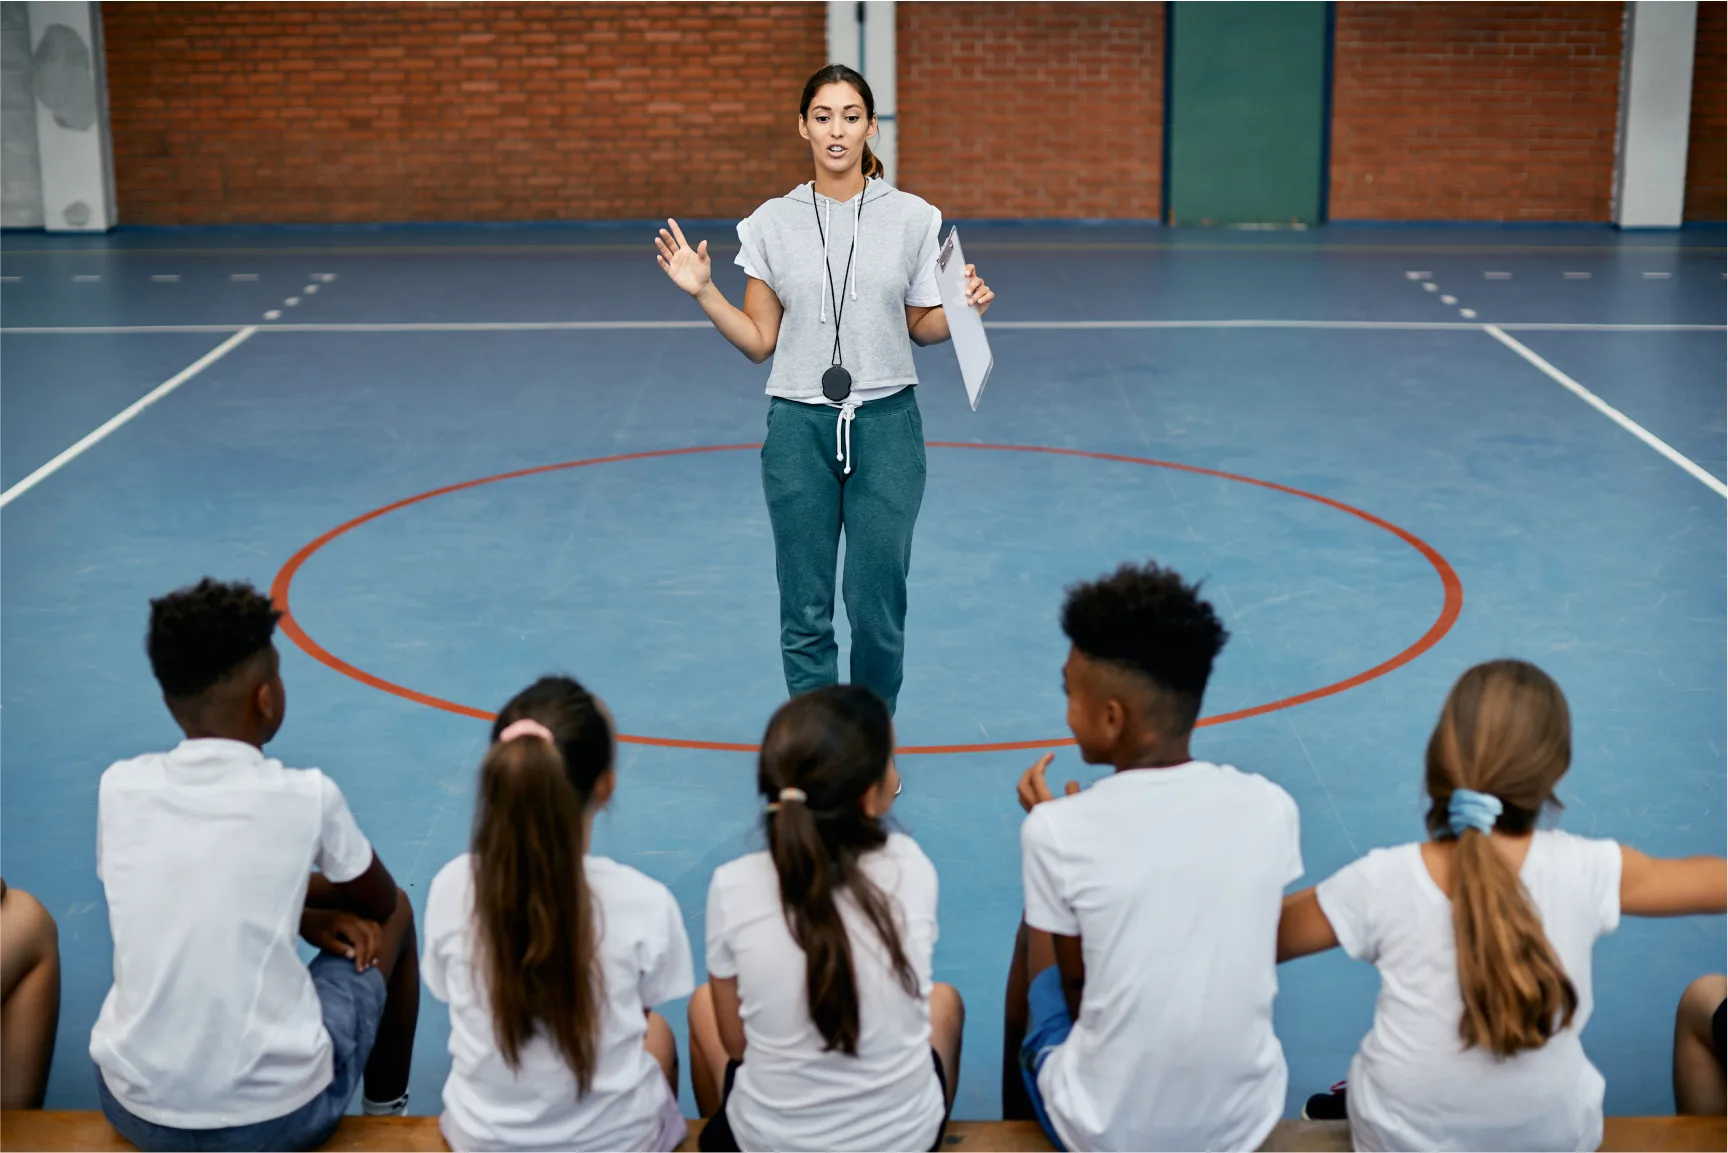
(965, 326)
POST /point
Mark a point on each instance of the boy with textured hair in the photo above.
(212, 855)
(1139, 1005)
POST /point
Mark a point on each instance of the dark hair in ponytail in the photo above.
(537, 930)
(833, 744)
(1505, 731)
(840, 74)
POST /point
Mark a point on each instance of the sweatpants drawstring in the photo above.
(843, 434)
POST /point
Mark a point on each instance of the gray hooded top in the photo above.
(894, 265)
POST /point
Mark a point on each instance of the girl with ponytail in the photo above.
(819, 1027)
(551, 959)
(1483, 935)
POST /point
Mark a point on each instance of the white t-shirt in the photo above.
(1173, 879)
(789, 1093)
(644, 960)
(204, 853)
(1413, 1085)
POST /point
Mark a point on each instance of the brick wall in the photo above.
(1474, 111)
(274, 112)
(1032, 109)
(1707, 154)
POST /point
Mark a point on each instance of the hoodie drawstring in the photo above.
(826, 233)
(858, 237)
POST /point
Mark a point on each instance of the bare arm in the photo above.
(1071, 960)
(727, 1016)
(371, 895)
(1656, 887)
(930, 325)
(754, 329)
(1303, 928)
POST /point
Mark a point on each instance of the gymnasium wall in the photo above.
(1707, 153)
(1474, 111)
(304, 112)
(275, 112)
(1051, 110)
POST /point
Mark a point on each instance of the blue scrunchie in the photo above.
(1472, 810)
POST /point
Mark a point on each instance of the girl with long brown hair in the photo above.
(1483, 935)
(551, 959)
(819, 1027)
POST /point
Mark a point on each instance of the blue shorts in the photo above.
(352, 1005)
(1047, 1026)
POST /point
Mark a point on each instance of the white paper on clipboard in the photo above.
(965, 326)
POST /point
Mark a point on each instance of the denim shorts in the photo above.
(1047, 1026)
(352, 1005)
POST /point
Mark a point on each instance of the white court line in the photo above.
(1608, 410)
(125, 415)
(1006, 325)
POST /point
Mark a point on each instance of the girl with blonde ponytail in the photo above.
(551, 959)
(1483, 935)
(819, 1027)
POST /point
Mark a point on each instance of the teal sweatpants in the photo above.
(811, 499)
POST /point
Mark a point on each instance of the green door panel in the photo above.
(1247, 112)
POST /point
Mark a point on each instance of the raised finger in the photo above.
(679, 233)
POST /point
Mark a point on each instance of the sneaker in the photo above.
(1327, 1106)
(396, 1108)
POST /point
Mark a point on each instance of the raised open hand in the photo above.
(688, 267)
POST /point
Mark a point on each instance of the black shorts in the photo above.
(1719, 1024)
(716, 1136)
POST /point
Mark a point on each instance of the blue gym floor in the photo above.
(431, 357)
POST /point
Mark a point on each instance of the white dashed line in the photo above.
(86, 279)
(166, 278)
(309, 290)
(1417, 275)
(292, 301)
(324, 277)
(1496, 276)
(1575, 276)
(11, 280)
(1430, 287)
(1467, 313)
(273, 314)
(1448, 300)
(1657, 275)
(242, 276)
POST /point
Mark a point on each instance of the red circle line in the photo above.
(1450, 608)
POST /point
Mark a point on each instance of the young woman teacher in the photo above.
(840, 304)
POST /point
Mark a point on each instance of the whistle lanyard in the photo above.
(839, 301)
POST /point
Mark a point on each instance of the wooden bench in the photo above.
(27, 1129)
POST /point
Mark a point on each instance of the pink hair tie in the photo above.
(527, 727)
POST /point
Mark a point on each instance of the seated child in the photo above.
(1699, 1025)
(214, 1035)
(1483, 935)
(819, 1027)
(1139, 1007)
(550, 958)
(29, 998)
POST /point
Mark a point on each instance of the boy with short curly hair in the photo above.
(1140, 998)
(212, 856)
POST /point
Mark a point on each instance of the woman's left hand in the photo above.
(978, 294)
